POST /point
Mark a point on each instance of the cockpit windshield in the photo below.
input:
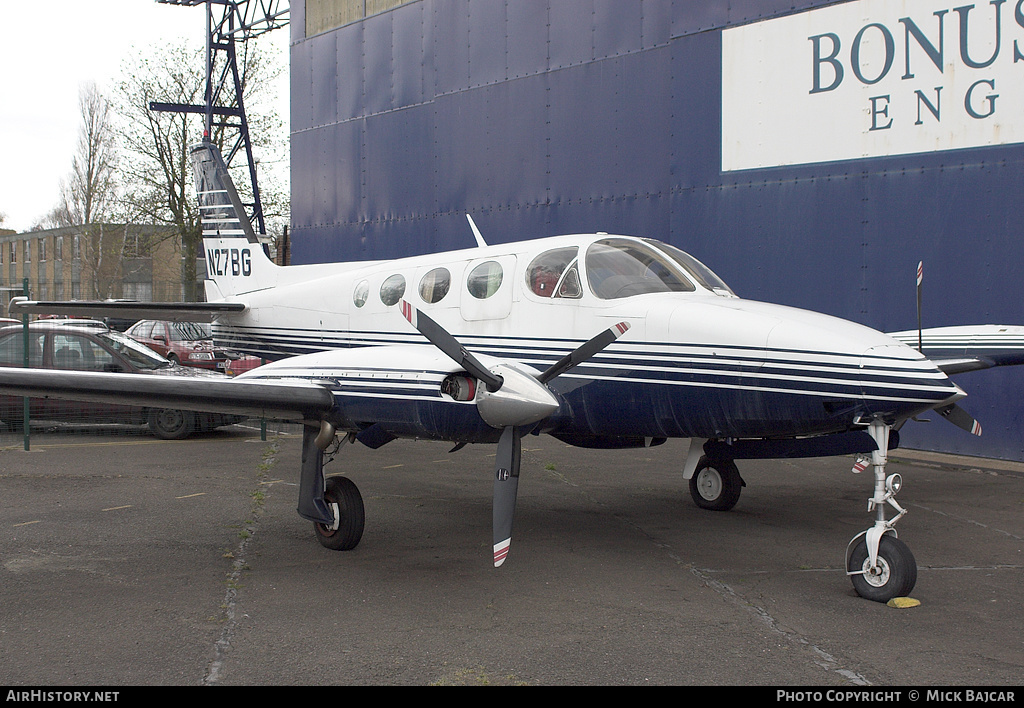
(696, 270)
(619, 268)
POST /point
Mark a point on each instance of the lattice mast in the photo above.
(228, 22)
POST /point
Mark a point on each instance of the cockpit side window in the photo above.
(569, 285)
(619, 268)
(555, 274)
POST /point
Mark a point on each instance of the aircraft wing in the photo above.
(956, 350)
(188, 311)
(281, 401)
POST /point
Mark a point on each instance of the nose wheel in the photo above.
(881, 566)
(893, 573)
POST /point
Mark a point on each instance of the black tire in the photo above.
(716, 485)
(343, 492)
(171, 424)
(897, 572)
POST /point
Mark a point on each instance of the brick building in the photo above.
(96, 262)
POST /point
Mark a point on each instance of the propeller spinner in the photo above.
(511, 399)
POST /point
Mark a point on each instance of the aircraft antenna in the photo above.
(476, 232)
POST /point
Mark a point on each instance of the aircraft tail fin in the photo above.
(235, 260)
(220, 209)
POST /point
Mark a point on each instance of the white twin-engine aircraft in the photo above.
(598, 340)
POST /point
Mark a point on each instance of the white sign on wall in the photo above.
(871, 78)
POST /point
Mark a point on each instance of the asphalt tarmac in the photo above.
(129, 561)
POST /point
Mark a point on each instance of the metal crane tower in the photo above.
(228, 22)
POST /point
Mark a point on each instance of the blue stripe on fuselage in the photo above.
(649, 389)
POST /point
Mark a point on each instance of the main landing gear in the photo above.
(881, 566)
(334, 504)
(716, 484)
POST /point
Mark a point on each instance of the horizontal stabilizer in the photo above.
(184, 311)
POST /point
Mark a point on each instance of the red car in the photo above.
(90, 349)
(186, 343)
(240, 363)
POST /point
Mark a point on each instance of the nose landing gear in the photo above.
(881, 566)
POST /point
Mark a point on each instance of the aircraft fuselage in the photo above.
(697, 362)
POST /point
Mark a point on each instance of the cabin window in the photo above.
(435, 285)
(555, 274)
(392, 290)
(619, 268)
(484, 280)
(361, 293)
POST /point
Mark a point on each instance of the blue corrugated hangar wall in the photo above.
(566, 116)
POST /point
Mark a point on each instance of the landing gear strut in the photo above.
(881, 566)
(334, 505)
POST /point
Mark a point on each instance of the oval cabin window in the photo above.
(484, 280)
(435, 285)
(361, 293)
(392, 290)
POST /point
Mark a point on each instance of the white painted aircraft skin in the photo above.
(713, 343)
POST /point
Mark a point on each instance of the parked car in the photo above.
(240, 363)
(186, 343)
(90, 349)
(70, 322)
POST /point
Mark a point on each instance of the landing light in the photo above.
(893, 483)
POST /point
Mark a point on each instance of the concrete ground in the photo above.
(129, 561)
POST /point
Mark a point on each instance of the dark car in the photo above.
(90, 349)
(186, 343)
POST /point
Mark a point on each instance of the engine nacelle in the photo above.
(521, 400)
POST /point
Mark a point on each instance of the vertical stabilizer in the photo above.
(220, 209)
(235, 260)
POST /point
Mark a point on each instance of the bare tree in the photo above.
(89, 194)
(156, 167)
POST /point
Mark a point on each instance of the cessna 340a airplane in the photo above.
(598, 340)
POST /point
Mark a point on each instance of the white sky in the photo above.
(48, 50)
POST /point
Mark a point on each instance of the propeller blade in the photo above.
(584, 351)
(506, 487)
(444, 341)
(528, 399)
(960, 418)
(920, 279)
